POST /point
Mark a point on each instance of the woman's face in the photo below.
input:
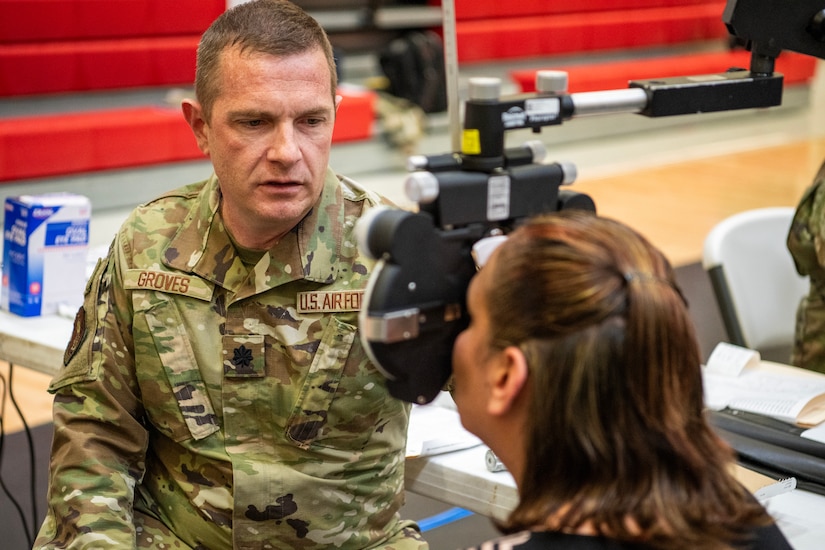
(472, 353)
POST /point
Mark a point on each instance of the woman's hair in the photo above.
(274, 27)
(616, 426)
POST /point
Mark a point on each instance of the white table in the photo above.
(458, 478)
(461, 479)
(37, 343)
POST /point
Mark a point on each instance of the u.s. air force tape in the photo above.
(331, 301)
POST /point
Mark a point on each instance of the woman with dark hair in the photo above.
(581, 370)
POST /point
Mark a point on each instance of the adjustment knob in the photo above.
(817, 26)
(551, 82)
(485, 88)
(421, 187)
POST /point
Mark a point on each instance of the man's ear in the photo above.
(338, 100)
(508, 379)
(193, 114)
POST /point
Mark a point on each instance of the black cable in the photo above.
(767, 429)
(764, 457)
(26, 529)
(32, 461)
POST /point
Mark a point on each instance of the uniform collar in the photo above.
(310, 251)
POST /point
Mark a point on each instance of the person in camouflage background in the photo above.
(215, 393)
(806, 243)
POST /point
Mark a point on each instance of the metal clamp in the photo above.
(493, 462)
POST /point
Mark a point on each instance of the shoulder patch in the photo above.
(79, 330)
(169, 282)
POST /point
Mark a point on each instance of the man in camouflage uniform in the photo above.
(806, 242)
(215, 393)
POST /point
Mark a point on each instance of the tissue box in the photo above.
(45, 245)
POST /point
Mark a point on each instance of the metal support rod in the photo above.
(451, 71)
(630, 100)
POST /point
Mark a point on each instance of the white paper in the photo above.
(761, 391)
(731, 360)
(436, 429)
(817, 433)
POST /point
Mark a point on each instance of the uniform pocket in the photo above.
(341, 400)
(176, 399)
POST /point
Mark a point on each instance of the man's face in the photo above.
(269, 140)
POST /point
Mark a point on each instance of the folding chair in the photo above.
(755, 281)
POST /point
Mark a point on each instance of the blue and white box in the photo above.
(45, 248)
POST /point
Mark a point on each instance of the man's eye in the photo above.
(249, 122)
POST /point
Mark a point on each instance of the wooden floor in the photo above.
(676, 205)
(29, 391)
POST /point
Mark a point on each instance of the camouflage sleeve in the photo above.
(806, 238)
(806, 243)
(99, 446)
(817, 223)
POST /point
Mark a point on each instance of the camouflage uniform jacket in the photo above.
(205, 404)
(806, 242)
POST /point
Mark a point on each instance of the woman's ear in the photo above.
(508, 379)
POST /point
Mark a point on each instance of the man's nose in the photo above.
(283, 146)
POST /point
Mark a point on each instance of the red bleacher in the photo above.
(51, 145)
(54, 46)
(488, 30)
(41, 21)
(93, 65)
(486, 9)
(533, 36)
(76, 46)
